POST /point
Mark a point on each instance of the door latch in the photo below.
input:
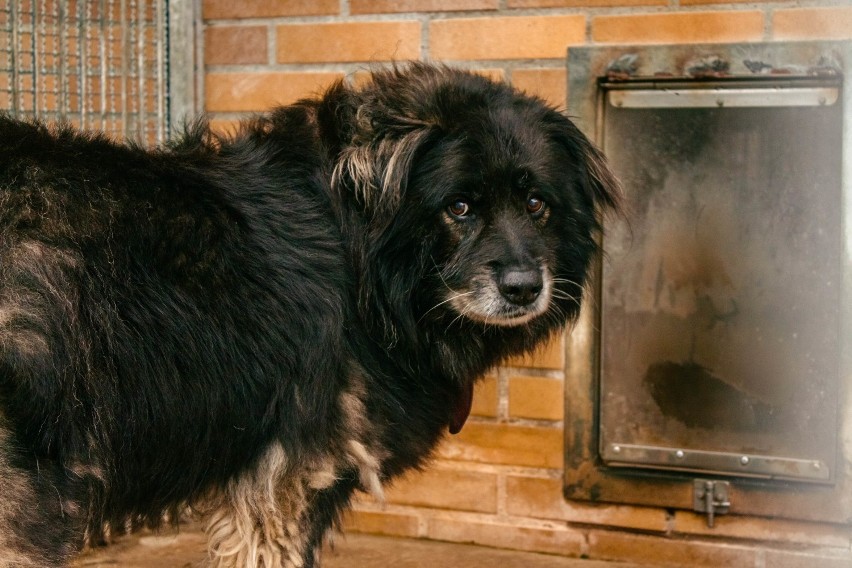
(710, 497)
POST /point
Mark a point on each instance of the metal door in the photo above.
(711, 369)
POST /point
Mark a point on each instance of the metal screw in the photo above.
(744, 460)
(679, 454)
(616, 449)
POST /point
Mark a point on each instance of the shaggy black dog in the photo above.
(257, 326)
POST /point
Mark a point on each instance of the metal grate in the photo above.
(99, 64)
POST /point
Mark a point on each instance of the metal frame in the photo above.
(586, 477)
(125, 67)
(742, 94)
(185, 73)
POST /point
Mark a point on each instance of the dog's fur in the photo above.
(259, 325)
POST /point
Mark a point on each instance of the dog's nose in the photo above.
(520, 286)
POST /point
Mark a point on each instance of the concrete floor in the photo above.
(187, 550)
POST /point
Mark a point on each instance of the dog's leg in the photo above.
(256, 522)
(278, 516)
(273, 516)
(278, 513)
(324, 516)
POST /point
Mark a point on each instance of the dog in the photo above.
(256, 326)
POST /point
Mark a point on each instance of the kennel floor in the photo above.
(186, 549)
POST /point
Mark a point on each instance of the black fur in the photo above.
(166, 315)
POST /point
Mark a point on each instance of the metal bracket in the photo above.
(710, 497)
(752, 465)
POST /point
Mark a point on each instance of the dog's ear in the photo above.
(601, 183)
(373, 145)
(377, 167)
(601, 188)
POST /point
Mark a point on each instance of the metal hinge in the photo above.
(710, 497)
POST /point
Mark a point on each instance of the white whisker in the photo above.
(561, 295)
(455, 296)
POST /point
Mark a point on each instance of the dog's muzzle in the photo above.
(505, 296)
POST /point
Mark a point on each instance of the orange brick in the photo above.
(348, 42)
(549, 84)
(582, 3)
(516, 37)
(360, 77)
(550, 355)
(506, 444)
(224, 127)
(381, 522)
(549, 540)
(697, 2)
(536, 397)
(446, 489)
(384, 6)
(236, 92)
(493, 73)
(761, 529)
(623, 546)
(485, 397)
(815, 559)
(812, 23)
(235, 45)
(542, 499)
(685, 27)
(216, 9)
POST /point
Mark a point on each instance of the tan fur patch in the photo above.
(324, 475)
(253, 525)
(23, 310)
(365, 459)
(368, 468)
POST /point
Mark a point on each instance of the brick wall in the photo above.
(499, 482)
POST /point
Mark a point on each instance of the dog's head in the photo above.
(480, 203)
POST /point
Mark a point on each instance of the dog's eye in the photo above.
(535, 206)
(459, 209)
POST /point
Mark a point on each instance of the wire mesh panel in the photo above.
(99, 64)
